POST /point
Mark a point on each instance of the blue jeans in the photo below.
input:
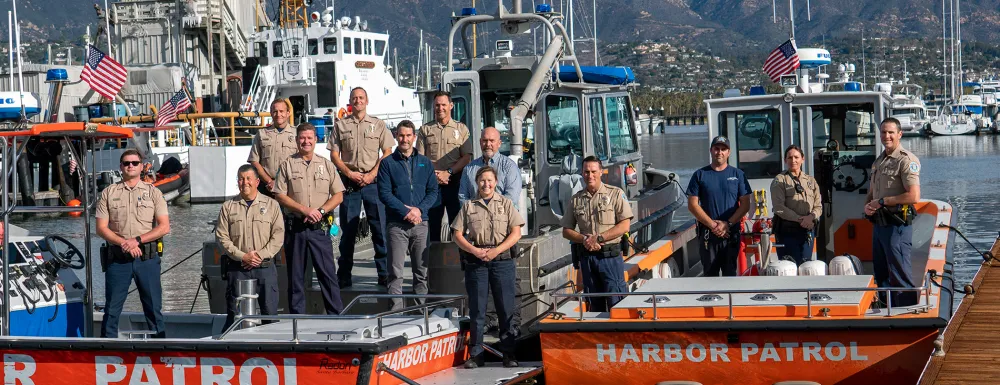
(350, 217)
(797, 245)
(891, 262)
(480, 278)
(117, 279)
(603, 275)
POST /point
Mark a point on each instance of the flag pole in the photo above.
(20, 62)
(10, 47)
(107, 32)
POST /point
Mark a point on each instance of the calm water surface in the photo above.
(960, 170)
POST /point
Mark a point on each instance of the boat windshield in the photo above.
(563, 116)
(853, 126)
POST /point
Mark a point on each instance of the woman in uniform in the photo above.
(485, 230)
(797, 208)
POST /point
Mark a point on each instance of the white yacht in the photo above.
(909, 108)
(962, 118)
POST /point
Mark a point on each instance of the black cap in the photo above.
(720, 140)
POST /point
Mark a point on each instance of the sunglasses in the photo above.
(133, 163)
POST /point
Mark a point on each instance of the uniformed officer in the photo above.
(272, 145)
(357, 145)
(895, 188)
(719, 196)
(602, 214)
(485, 230)
(250, 230)
(449, 146)
(132, 217)
(797, 208)
(308, 188)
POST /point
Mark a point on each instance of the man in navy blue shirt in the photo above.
(408, 187)
(719, 197)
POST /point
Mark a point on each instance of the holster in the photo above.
(901, 216)
(606, 251)
(105, 257)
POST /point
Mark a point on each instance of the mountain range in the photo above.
(735, 27)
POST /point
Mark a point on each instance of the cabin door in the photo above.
(464, 89)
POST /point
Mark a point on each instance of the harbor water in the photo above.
(961, 170)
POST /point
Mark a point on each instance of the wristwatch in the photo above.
(881, 202)
(138, 238)
(449, 171)
(600, 238)
(321, 211)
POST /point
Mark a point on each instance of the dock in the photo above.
(972, 338)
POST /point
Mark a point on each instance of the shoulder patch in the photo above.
(914, 167)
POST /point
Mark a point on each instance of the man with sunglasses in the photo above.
(719, 196)
(272, 145)
(132, 218)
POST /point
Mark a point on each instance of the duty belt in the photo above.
(296, 224)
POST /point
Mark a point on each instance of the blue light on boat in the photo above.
(56, 74)
(852, 87)
(543, 8)
(469, 12)
(757, 90)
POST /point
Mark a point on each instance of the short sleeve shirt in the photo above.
(258, 226)
(444, 144)
(271, 147)
(598, 212)
(308, 183)
(131, 211)
(360, 142)
(893, 173)
(719, 192)
(487, 223)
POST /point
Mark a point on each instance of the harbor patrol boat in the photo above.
(819, 323)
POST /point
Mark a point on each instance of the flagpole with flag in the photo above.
(107, 32)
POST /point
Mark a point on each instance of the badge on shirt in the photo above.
(605, 199)
(500, 210)
(456, 134)
(320, 170)
(371, 128)
(263, 210)
(291, 139)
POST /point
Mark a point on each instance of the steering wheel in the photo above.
(855, 185)
(71, 258)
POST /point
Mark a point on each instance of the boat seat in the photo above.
(563, 186)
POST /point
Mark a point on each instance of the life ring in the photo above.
(342, 113)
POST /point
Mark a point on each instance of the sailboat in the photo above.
(964, 115)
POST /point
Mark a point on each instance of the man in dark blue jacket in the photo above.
(408, 188)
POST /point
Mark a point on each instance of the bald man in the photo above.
(508, 174)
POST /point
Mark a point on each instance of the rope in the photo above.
(987, 256)
(201, 285)
(172, 267)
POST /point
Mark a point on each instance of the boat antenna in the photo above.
(10, 48)
(111, 52)
(20, 62)
(791, 15)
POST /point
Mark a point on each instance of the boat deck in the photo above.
(971, 340)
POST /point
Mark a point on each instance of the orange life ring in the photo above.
(342, 113)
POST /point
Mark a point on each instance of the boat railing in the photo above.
(654, 296)
(231, 119)
(442, 299)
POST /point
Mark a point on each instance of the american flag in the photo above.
(782, 61)
(168, 112)
(103, 74)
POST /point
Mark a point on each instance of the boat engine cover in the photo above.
(813, 268)
(845, 265)
(781, 268)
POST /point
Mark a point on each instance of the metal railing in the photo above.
(295, 318)
(192, 118)
(924, 290)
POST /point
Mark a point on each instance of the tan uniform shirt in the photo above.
(243, 228)
(131, 211)
(789, 204)
(360, 142)
(271, 147)
(598, 212)
(487, 224)
(892, 173)
(444, 144)
(310, 184)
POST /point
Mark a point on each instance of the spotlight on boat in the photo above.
(314, 16)
(543, 8)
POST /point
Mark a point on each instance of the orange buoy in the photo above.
(74, 203)
(342, 113)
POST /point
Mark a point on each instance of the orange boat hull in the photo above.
(855, 357)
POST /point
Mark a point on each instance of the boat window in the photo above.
(260, 49)
(313, 46)
(758, 140)
(330, 45)
(598, 128)
(461, 110)
(276, 49)
(620, 126)
(380, 47)
(295, 50)
(853, 127)
(357, 46)
(347, 45)
(562, 114)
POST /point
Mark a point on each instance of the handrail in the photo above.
(377, 316)
(924, 290)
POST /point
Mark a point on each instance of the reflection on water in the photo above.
(960, 170)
